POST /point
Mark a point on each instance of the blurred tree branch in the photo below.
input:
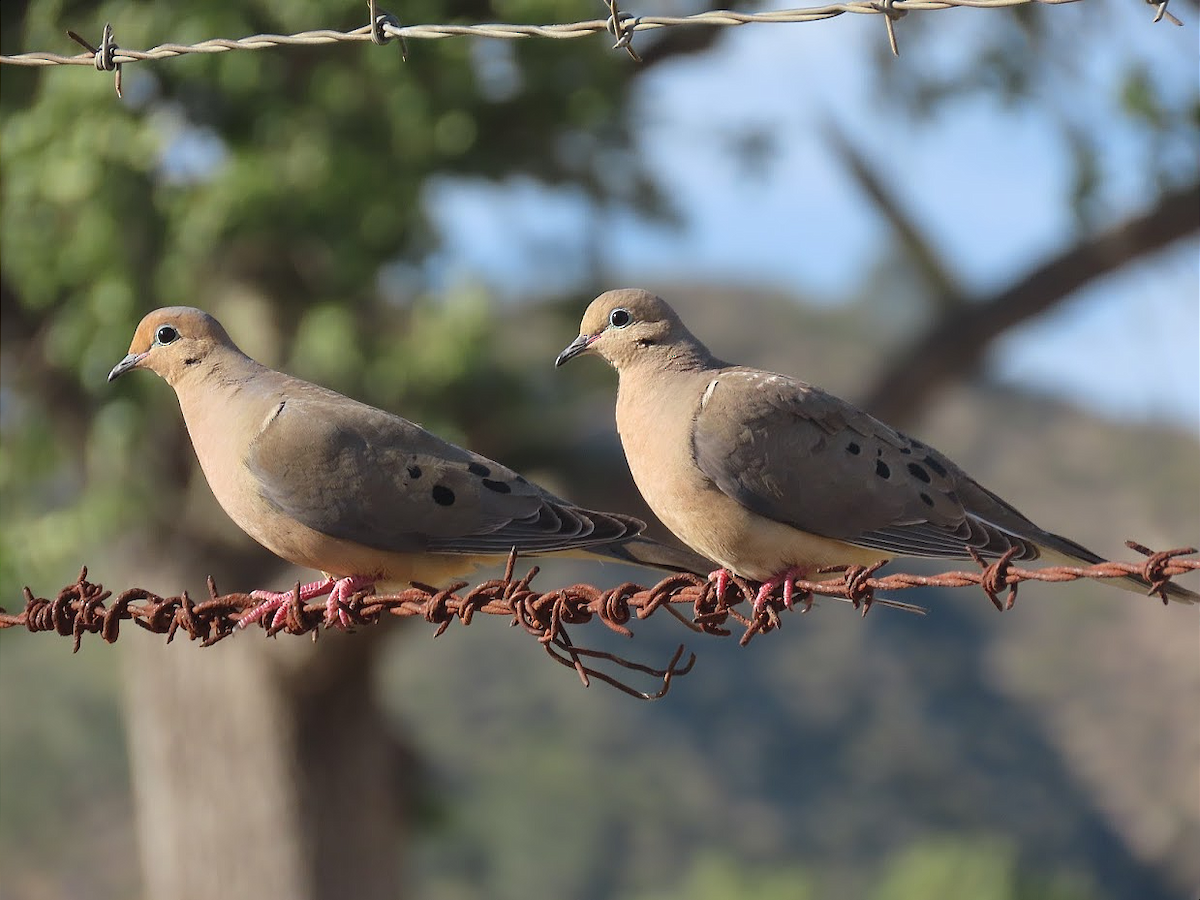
(954, 343)
(946, 292)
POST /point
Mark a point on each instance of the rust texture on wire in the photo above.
(383, 27)
(84, 607)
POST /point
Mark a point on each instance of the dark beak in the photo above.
(577, 346)
(125, 365)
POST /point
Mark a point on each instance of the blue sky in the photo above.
(985, 181)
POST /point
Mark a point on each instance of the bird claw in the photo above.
(722, 578)
(785, 578)
(337, 608)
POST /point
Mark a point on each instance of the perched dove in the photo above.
(359, 494)
(774, 478)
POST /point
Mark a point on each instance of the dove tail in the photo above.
(1058, 547)
(643, 551)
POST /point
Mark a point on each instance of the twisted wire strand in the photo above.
(384, 26)
(85, 607)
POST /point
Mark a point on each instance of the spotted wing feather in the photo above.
(798, 455)
(388, 484)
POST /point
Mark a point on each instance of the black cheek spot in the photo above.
(926, 499)
(918, 472)
(853, 448)
(935, 465)
(480, 470)
(882, 470)
(414, 471)
(442, 495)
(191, 361)
(500, 487)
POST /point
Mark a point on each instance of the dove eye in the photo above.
(619, 318)
(165, 334)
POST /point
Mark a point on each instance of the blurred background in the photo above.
(990, 242)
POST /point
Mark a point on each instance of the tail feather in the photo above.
(1066, 550)
(644, 551)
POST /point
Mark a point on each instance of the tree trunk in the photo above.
(262, 769)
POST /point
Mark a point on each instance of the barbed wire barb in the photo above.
(88, 608)
(890, 15)
(1161, 12)
(104, 56)
(622, 25)
(381, 20)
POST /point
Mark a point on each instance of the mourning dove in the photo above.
(359, 494)
(774, 478)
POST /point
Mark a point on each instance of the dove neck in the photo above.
(221, 368)
(680, 355)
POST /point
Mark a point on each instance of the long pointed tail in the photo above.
(1058, 547)
(644, 551)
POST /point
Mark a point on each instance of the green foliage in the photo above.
(718, 877)
(979, 868)
(272, 188)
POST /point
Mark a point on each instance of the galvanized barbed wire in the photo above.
(83, 607)
(622, 24)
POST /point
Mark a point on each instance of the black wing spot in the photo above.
(935, 465)
(442, 495)
(882, 470)
(500, 487)
(479, 469)
(919, 473)
(926, 499)
(951, 496)
(853, 448)
(414, 472)
(917, 445)
(906, 450)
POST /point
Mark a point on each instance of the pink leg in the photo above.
(721, 577)
(784, 578)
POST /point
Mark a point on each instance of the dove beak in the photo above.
(577, 346)
(125, 365)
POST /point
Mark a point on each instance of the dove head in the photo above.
(173, 341)
(634, 327)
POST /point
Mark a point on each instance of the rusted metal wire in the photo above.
(622, 25)
(84, 608)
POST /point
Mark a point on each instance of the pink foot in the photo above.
(336, 612)
(275, 603)
(785, 578)
(721, 577)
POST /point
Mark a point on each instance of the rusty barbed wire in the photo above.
(83, 608)
(383, 26)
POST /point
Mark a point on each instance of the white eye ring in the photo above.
(619, 318)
